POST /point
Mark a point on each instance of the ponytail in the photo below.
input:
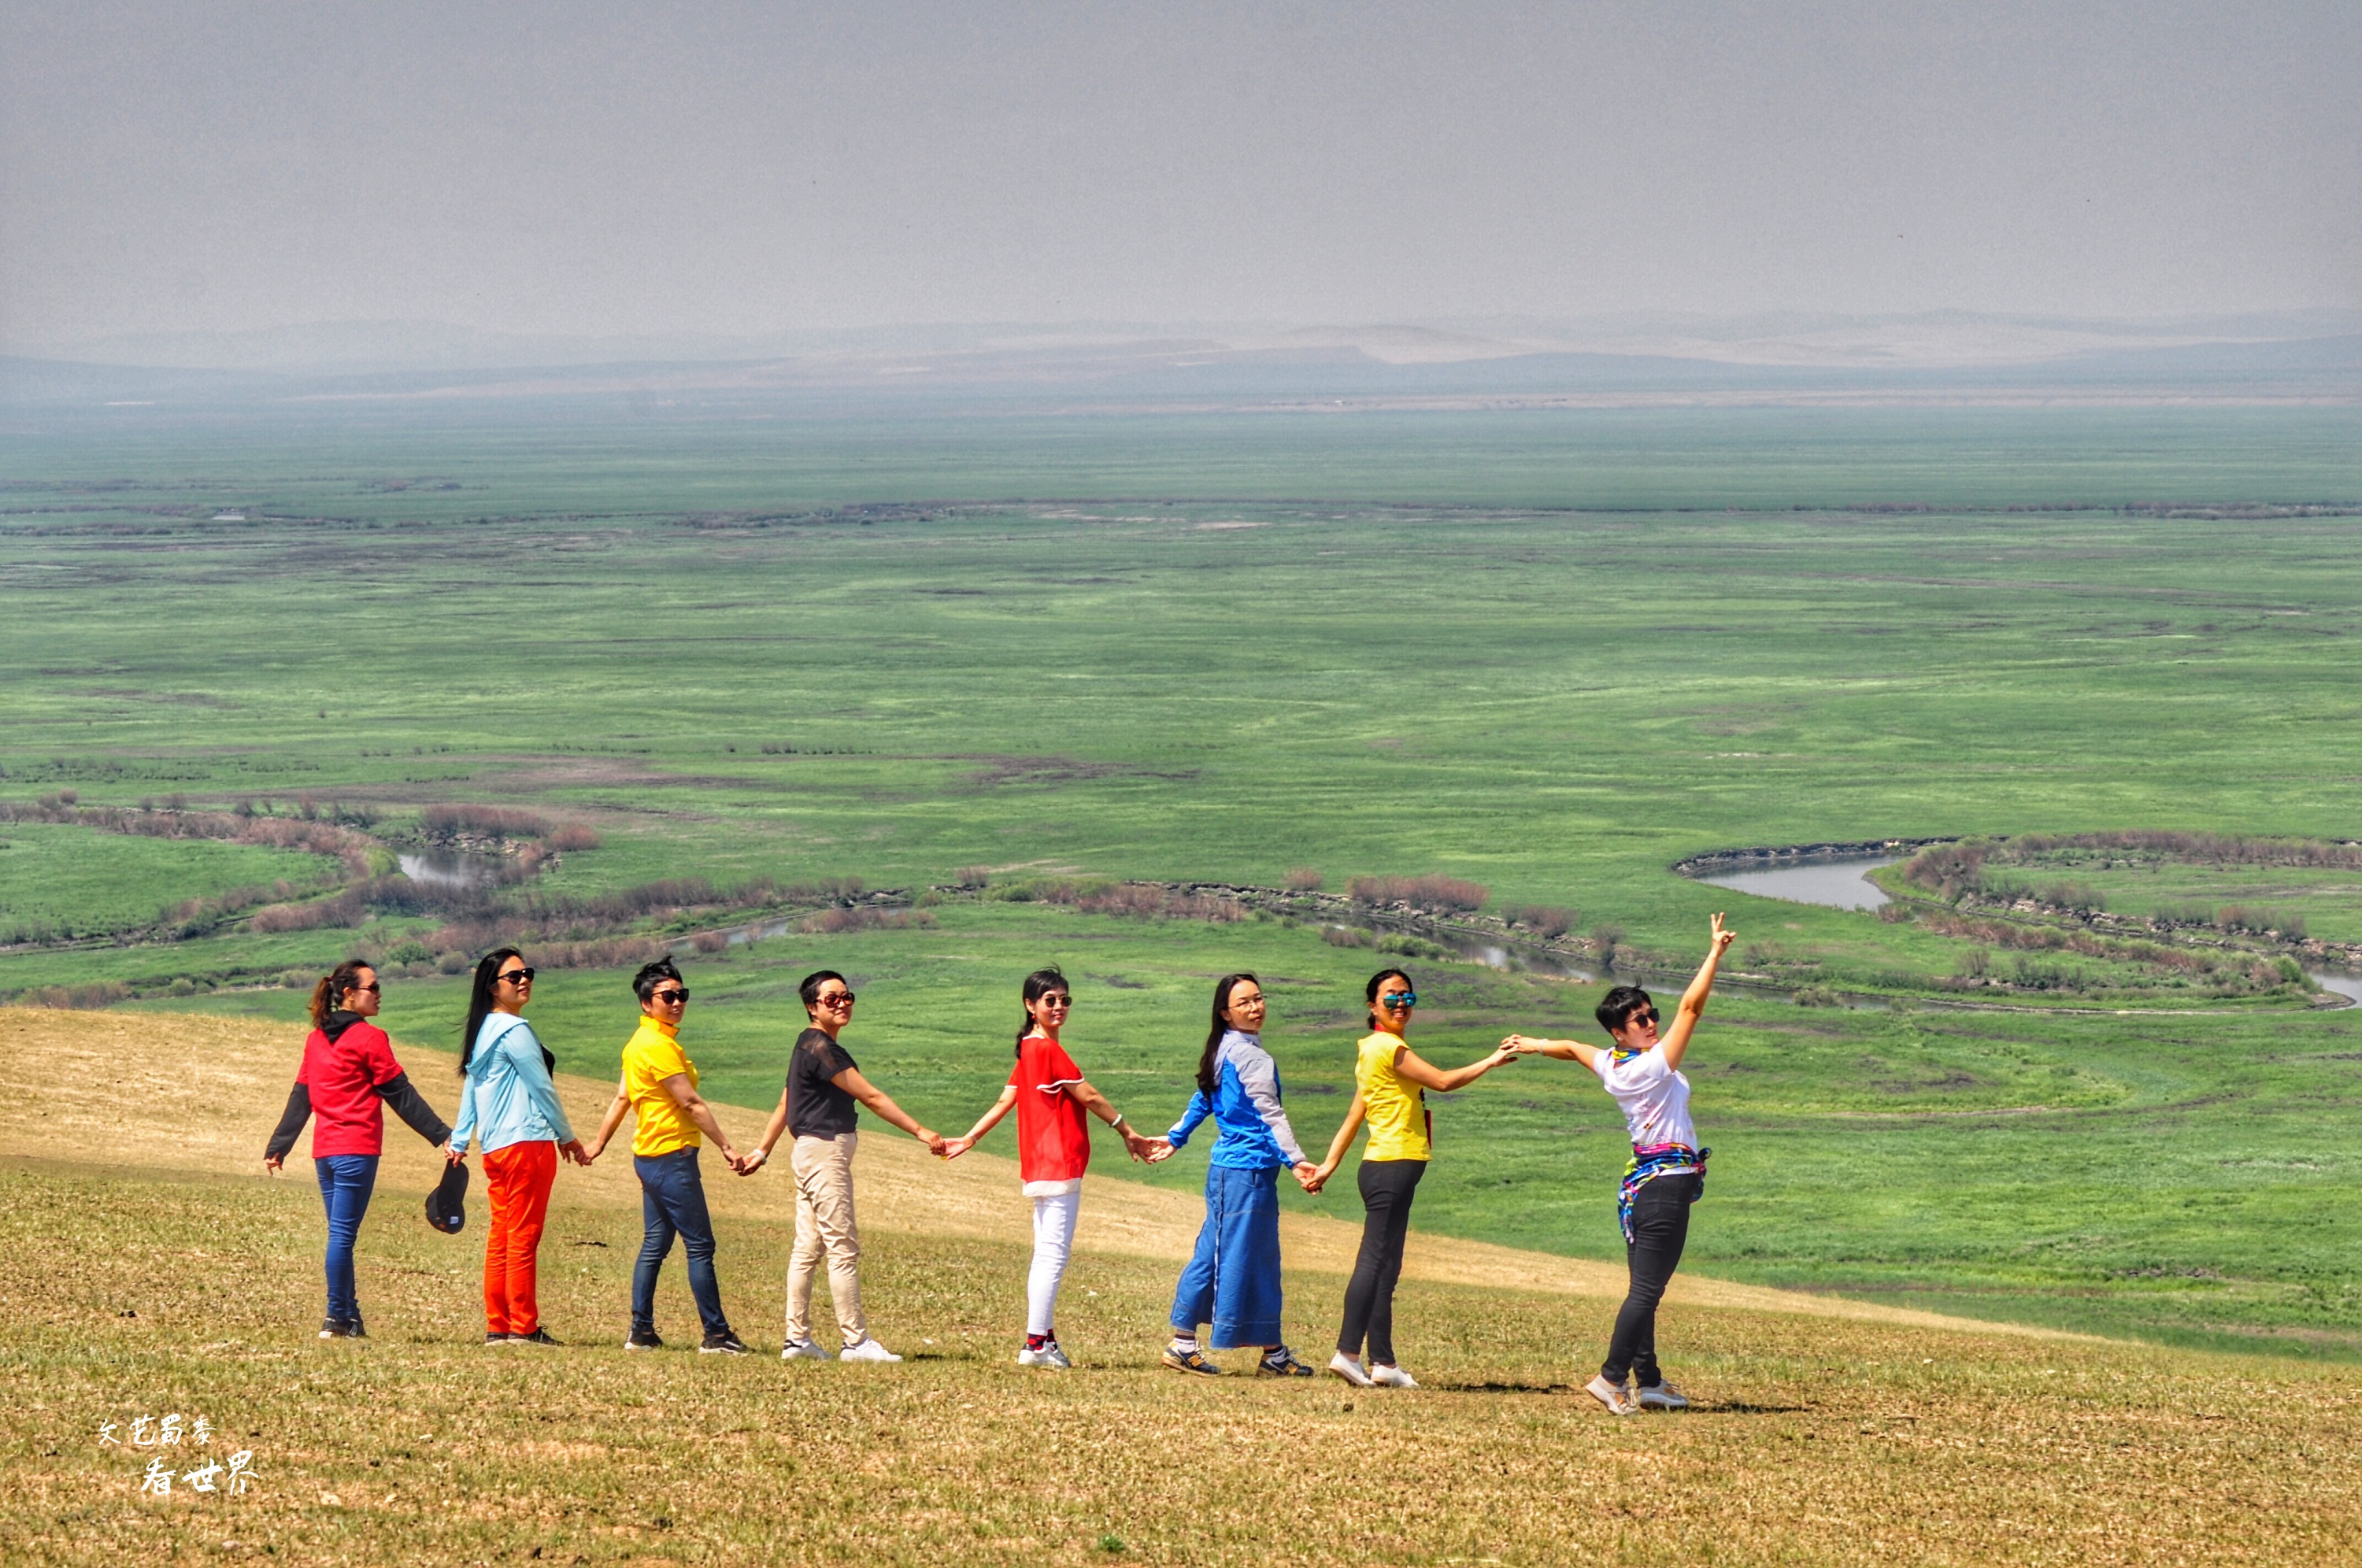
(330, 992)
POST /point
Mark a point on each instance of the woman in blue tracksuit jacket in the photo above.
(1232, 1281)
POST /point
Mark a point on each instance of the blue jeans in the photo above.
(346, 1183)
(672, 1202)
(1233, 1280)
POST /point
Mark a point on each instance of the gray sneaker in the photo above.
(1660, 1396)
(1612, 1396)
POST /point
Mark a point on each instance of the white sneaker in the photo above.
(1391, 1377)
(1660, 1396)
(1612, 1396)
(804, 1350)
(1048, 1355)
(1350, 1369)
(867, 1350)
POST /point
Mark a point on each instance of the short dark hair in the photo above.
(809, 987)
(644, 984)
(1619, 1005)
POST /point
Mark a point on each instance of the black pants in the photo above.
(1661, 1225)
(1387, 1188)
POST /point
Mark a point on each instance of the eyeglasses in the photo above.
(517, 977)
(668, 998)
(1054, 999)
(834, 999)
(1398, 998)
(372, 987)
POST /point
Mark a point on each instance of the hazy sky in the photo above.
(647, 167)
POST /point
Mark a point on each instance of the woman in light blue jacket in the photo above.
(509, 1104)
(1233, 1281)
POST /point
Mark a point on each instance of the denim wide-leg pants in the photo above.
(1233, 1280)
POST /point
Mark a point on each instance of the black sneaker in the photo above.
(497, 1339)
(332, 1327)
(644, 1339)
(723, 1343)
(538, 1337)
(1192, 1361)
(353, 1330)
(1281, 1362)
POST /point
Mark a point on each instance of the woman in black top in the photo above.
(823, 1092)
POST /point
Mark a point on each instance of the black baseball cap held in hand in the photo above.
(446, 1207)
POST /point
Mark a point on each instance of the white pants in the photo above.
(1053, 1243)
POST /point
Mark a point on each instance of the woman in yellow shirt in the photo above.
(1390, 1094)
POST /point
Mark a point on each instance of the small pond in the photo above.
(2346, 986)
(444, 869)
(1514, 958)
(1839, 884)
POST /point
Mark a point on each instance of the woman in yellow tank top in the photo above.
(1390, 1094)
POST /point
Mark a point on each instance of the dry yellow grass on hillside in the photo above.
(159, 1272)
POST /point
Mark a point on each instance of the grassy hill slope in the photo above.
(166, 1274)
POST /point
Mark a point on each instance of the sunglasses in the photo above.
(1642, 1015)
(1054, 999)
(1398, 998)
(517, 977)
(834, 999)
(372, 987)
(669, 997)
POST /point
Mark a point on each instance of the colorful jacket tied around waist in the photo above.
(1648, 1163)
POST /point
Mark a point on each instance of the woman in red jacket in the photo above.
(349, 1073)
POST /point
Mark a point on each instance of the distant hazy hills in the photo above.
(2307, 357)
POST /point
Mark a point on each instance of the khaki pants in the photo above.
(824, 1171)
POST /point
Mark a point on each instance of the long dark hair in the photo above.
(1214, 1032)
(329, 994)
(1040, 984)
(1378, 983)
(480, 1005)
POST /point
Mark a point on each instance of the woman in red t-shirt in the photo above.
(349, 1073)
(1054, 1149)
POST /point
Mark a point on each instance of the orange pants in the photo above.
(517, 1179)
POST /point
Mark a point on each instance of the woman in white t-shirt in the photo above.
(1642, 1073)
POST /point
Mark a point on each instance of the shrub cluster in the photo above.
(1419, 892)
(446, 824)
(830, 923)
(1544, 920)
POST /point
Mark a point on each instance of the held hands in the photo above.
(454, 1155)
(1307, 1176)
(572, 1149)
(750, 1162)
(1144, 1149)
(935, 1142)
(1159, 1150)
(957, 1147)
(1518, 1045)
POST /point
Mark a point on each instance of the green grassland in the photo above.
(1553, 653)
(65, 882)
